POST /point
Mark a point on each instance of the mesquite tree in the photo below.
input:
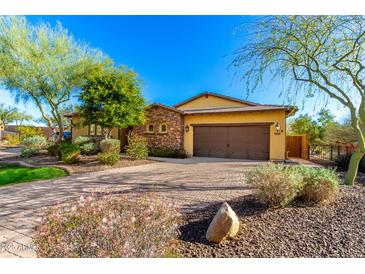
(43, 64)
(319, 55)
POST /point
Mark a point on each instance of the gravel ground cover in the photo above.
(336, 230)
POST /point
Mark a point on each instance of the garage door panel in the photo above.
(241, 142)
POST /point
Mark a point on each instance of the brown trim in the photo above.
(232, 124)
(216, 95)
(230, 110)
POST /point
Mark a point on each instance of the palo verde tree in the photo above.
(318, 55)
(43, 64)
(111, 98)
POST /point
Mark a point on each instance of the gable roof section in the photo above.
(216, 95)
(166, 107)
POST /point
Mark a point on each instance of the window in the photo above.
(92, 130)
(99, 130)
(163, 128)
(150, 128)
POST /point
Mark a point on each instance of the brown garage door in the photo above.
(232, 141)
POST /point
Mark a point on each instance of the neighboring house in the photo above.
(210, 125)
(13, 129)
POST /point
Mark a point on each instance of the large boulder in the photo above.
(225, 225)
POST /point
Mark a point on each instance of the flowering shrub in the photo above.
(110, 145)
(137, 147)
(109, 227)
(11, 139)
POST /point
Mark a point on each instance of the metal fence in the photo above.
(329, 152)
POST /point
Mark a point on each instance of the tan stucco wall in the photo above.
(79, 130)
(210, 101)
(277, 142)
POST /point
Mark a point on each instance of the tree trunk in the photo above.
(60, 135)
(353, 166)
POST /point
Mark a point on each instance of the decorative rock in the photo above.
(225, 225)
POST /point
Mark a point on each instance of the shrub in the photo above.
(110, 158)
(167, 152)
(68, 153)
(89, 149)
(110, 145)
(52, 148)
(29, 131)
(36, 142)
(12, 139)
(343, 161)
(109, 227)
(27, 152)
(81, 140)
(277, 185)
(320, 185)
(137, 147)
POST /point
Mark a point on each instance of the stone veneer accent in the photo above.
(157, 115)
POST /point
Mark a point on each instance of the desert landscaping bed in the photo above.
(336, 230)
(85, 165)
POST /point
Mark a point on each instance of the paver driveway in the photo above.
(189, 184)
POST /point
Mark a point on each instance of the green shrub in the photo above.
(89, 149)
(52, 148)
(68, 153)
(110, 158)
(110, 145)
(109, 226)
(276, 184)
(12, 139)
(81, 140)
(343, 162)
(38, 142)
(27, 152)
(137, 147)
(320, 185)
(167, 152)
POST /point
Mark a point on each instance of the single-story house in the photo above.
(210, 125)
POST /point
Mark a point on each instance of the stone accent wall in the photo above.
(157, 115)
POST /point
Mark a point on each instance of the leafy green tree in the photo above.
(43, 64)
(304, 124)
(340, 132)
(324, 118)
(112, 98)
(8, 114)
(20, 117)
(318, 55)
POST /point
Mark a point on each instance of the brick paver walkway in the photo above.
(189, 184)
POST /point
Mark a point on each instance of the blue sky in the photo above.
(176, 57)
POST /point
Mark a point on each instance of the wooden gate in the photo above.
(297, 146)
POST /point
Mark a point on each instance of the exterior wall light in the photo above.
(277, 128)
(187, 128)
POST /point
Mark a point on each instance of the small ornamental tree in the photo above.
(112, 98)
